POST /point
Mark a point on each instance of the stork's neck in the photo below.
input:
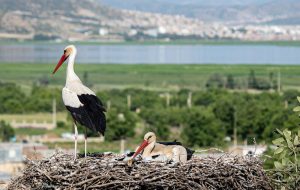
(148, 150)
(71, 75)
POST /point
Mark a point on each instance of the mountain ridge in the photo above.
(83, 20)
(89, 20)
(52, 17)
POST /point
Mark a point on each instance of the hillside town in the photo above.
(134, 25)
(168, 27)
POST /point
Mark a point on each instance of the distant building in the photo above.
(12, 157)
(11, 160)
(34, 124)
(103, 31)
(11, 152)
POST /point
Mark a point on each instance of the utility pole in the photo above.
(246, 85)
(234, 128)
(189, 100)
(167, 99)
(286, 104)
(54, 112)
(108, 104)
(122, 146)
(129, 101)
(278, 81)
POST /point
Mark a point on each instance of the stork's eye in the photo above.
(149, 137)
(65, 51)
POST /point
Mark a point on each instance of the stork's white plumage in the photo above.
(82, 103)
(157, 151)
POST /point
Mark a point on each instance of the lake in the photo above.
(155, 54)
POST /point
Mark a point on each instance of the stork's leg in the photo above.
(85, 142)
(75, 137)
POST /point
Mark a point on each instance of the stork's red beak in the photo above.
(142, 146)
(61, 61)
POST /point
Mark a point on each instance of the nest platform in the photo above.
(100, 171)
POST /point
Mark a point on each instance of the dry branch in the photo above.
(99, 171)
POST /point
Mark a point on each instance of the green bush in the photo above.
(287, 155)
(286, 174)
(156, 120)
(6, 131)
(202, 128)
(120, 124)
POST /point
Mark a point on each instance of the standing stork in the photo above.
(83, 104)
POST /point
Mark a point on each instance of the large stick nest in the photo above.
(99, 171)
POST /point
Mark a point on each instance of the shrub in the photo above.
(287, 158)
(286, 173)
(6, 131)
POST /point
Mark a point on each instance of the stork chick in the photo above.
(151, 148)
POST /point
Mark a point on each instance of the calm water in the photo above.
(179, 54)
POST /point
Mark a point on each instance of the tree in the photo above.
(6, 131)
(224, 111)
(230, 83)
(206, 98)
(215, 81)
(252, 83)
(116, 97)
(271, 80)
(41, 98)
(120, 124)
(86, 79)
(255, 113)
(144, 98)
(262, 84)
(291, 97)
(12, 98)
(162, 131)
(43, 81)
(175, 116)
(202, 128)
(180, 98)
(156, 120)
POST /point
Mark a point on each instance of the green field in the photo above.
(112, 146)
(37, 117)
(154, 76)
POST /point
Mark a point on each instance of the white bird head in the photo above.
(149, 138)
(69, 50)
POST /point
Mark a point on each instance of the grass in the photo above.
(112, 146)
(154, 76)
(38, 117)
(30, 131)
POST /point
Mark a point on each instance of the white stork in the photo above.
(156, 151)
(83, 104)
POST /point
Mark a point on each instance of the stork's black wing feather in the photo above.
(91, 114)
(170, 143)
(190, 153)
(95, 109)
